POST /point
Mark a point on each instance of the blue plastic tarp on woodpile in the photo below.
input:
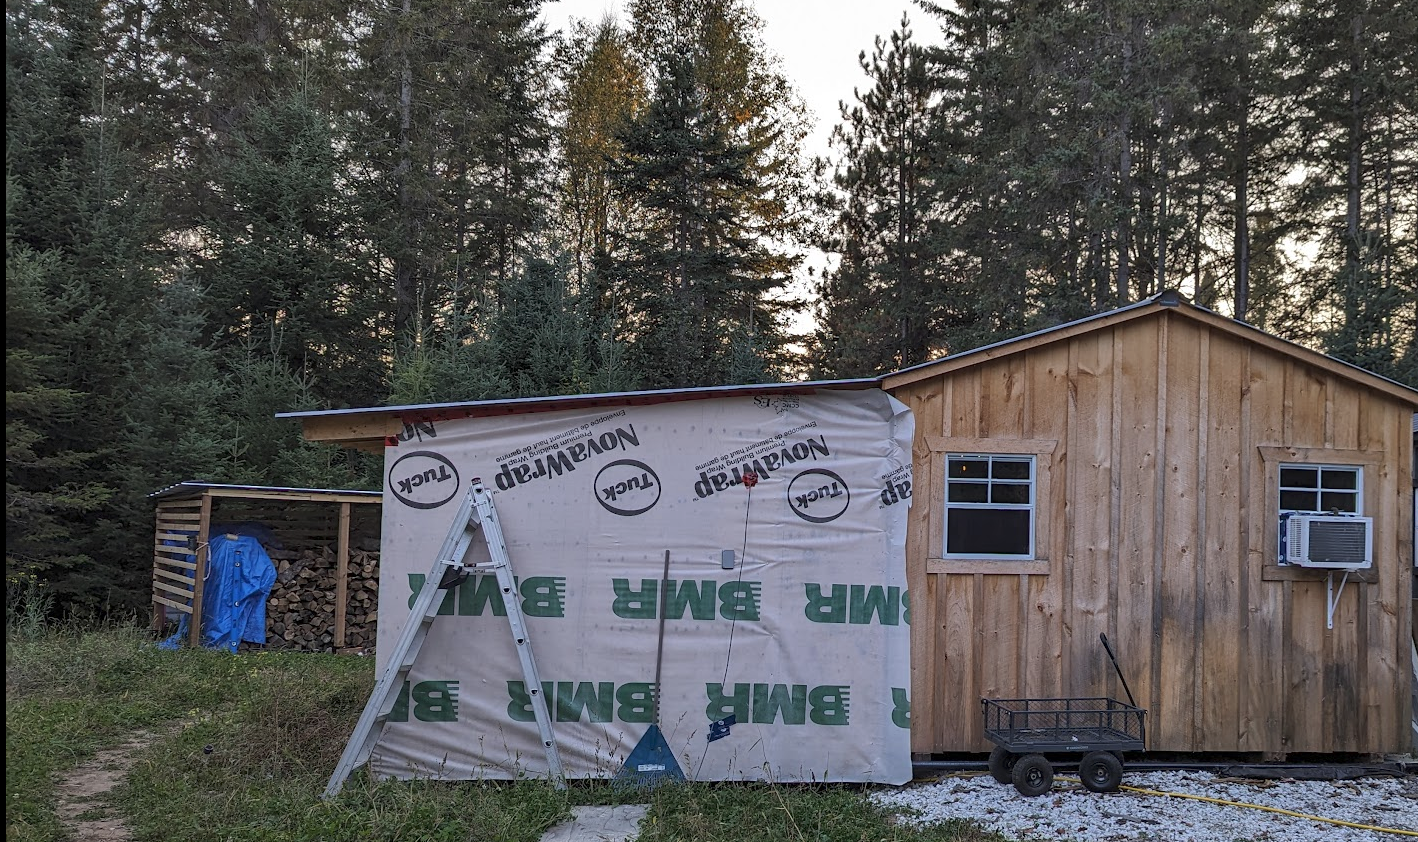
(238, 582)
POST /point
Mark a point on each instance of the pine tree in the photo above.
(602, 91)
(980, 138)
(1076, 159)
(1357, 145)
(877, 311)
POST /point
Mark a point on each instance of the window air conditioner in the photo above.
(1327, 542)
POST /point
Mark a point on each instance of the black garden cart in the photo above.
(1024, 731)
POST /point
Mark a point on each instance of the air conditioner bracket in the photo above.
(1332, 596)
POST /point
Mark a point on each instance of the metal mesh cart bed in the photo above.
(1024, 730)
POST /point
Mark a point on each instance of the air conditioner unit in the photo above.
(1326, 542)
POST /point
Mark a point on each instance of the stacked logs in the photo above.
(300, 613)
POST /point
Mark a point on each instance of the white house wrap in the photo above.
(785, 604)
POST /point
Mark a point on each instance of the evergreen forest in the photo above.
(217, 211)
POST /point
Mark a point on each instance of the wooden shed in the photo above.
(1125, 474)
(298, 519)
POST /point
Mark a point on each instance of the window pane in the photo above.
(1339, 479)
(1009, 492)
(987, 532)
(964, 467)
(1299, 501)
(1345, 501)
(1299, 477)
(968, 492)
(1010, 469)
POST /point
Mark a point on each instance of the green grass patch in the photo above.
(241, 746)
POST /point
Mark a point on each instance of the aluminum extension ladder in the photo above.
(449, 569)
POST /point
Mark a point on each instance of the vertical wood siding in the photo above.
(1160, 528)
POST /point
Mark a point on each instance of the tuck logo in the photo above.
(423, 479)
(626, 487)
(817, 495)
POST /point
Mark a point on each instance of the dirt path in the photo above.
(82, 808)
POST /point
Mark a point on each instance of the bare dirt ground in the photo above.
(82, 805)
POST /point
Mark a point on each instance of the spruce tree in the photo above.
(79, 286)
(448, 141)
(693, 263)
(713, 172)
(280, 261)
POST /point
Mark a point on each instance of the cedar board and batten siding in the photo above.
(1158, 438)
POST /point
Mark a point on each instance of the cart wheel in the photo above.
(1101, 771)
(1033, 775)
(1002, 764)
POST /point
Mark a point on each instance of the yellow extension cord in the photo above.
(1280, 810)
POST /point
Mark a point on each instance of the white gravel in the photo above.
(1071, 812)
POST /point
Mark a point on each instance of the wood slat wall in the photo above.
(1161, 534)
(297, 520)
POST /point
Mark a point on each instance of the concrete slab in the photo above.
(600, 824)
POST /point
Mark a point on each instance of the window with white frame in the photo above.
(1322, 488)
(989, 506)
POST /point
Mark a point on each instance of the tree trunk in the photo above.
(405, 275)
(1240, 176)
(1124, 231)
(1356, 142)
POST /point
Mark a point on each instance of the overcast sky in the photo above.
(817, 40)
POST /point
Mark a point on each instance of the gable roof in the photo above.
(1168, 301)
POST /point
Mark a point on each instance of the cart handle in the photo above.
(1114, 658)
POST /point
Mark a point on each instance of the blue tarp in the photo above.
(239, 579)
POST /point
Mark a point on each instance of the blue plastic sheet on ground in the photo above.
(239, 579)
(651, 762)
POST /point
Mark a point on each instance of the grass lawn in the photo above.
(241, 747)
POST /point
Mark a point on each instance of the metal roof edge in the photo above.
(1024, 337)
(667, 394)
(196, 485)
(1307, 350)
(1165, 300)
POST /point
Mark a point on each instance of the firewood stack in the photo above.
(300, 614)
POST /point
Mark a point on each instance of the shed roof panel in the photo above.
(193, 488)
